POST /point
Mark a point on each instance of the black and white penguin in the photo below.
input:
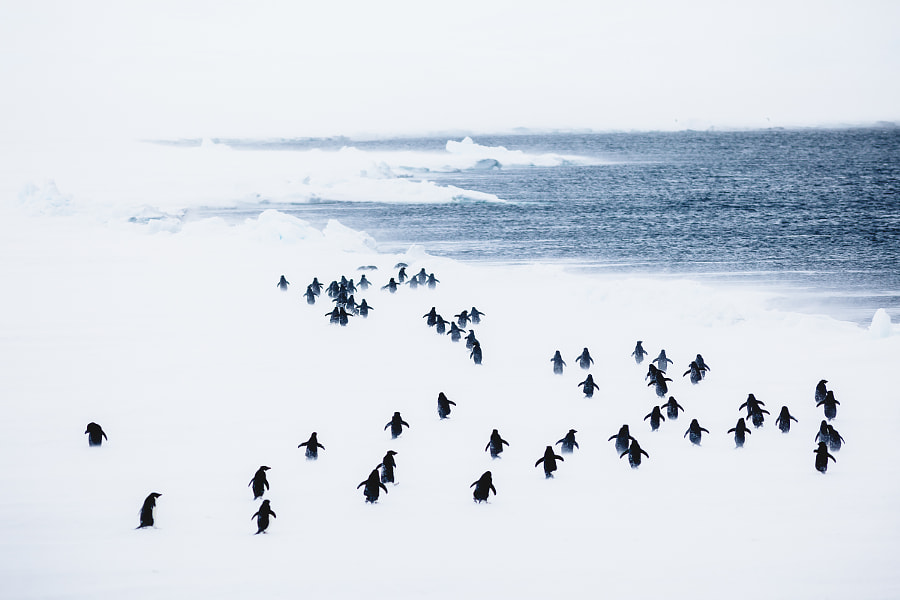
(568, 442)
(639, 352)
(364, 309)
(262, 516)
(634, 452)
(475, 315)
(316, 286)
(283, 284)
(835, 440)
(495, 444)
(259, 483)
(455, 332)
(672, 407)
(440, 325)
(462, 319)
(662, 362)
(147, 509)
(585, 360)
(431, 317)
(373, 485)
(310, 295)
(655, 417)
(387, 466)
(702, 364)
(660, 382)
(475, 354)
(821, 390)
(364, 283)
(783, 420)
(622, 439)
(443, 404)
(740, 431)
(432, 281)
(549, 459)
(401, 275)
(312, 447)
(830, 405)
(695, 372)
(396, 424)
(558, 363)
(95, 434)
(483, 487)
(588, 386)
(390, 286)
(695, 432)
(470, 339)
(822, 457)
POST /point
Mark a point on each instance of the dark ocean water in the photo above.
(812, 213)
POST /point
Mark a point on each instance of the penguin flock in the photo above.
(342, 293)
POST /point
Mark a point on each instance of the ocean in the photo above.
(812, 215)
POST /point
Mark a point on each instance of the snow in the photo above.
(176, 340)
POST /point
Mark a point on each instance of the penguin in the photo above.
(588, 386)
(147, 510)
(483, 487)
(585, 360)
(740, 430)
(822, 457)
(372, 486)
(568, 442)
(475, 354)
(702, 364)
(622, 438)
(462, 319)
(312, 447)
(495, 444)
(834, 439)
(282, 284)
(316, 286)
(639, 352)
(343, 317)
(752, 405)
(310, 295)
(824, 434)
(443, 404)
(364, 309)
(422, 276)
(432, 281)
(672, 407)
(95, 434)
(756, 416)
(431, 317)
(549, 459)
(351, 305)
(695, 372)
(662, 362)
(783, 420)
(396, 424)
(558, 363)
(830, 405)
(262, 517)
(333, 289)
(660, 382)
(695, 431)
(475, 315)
(334, 316)
(401, 275)
(634, 454)
(652, 373)
(413, 283)
(364, 283)
(351, 287)
(391, 286)
(259, 482)
(470, 339)
(655, 417)
(455, 333)
(440, 325)
(388, 464)
(821, 390)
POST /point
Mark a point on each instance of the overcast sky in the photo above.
(286, 68)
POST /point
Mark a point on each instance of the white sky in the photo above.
(216, 68)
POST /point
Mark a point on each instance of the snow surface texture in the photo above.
(200, 370)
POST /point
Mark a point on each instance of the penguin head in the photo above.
(264, 468)
(390, 453)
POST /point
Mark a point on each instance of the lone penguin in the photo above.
(387, 465)
(585, 360)
(672, 407)
(262, 517)
(783, 420)
(259, 482)
(662, 362)
(830, 405)
(822, 457)
(495, 444)
(396, 424)
(443, 404)
(740, 431)
(634, 454)
(588, 386)
(558, 363)
(549, 459)
(695, 432)
(483, 487)
(568, 442)
(622, 438)
(95, 434)
(283, 284)
(655, 417)
(147, 510)
(639, 352)
(312, 447)
(373, 485)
